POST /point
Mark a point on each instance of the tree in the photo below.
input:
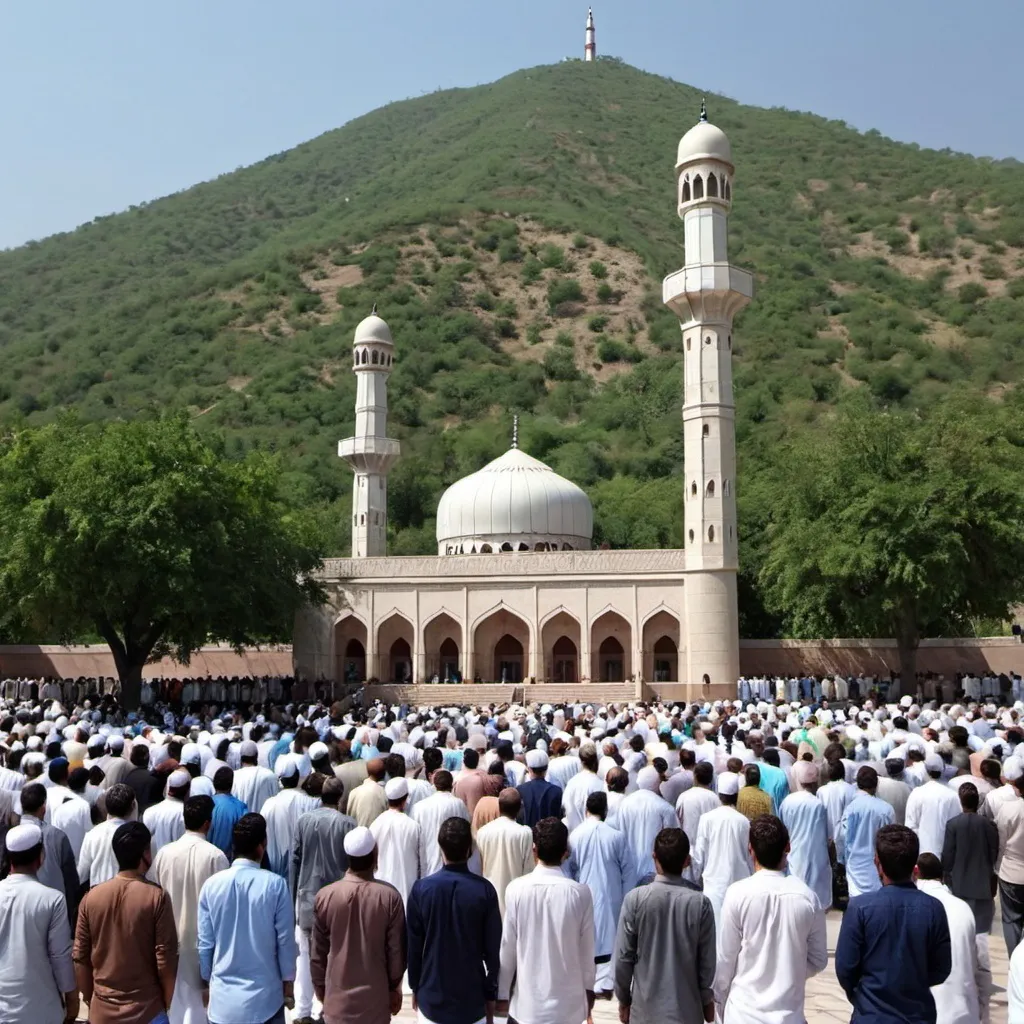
(140, 532)
(889, 524)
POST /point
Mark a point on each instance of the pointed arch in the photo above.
(349, 629)
(442, 646)
(561, 639)
(661, 658)
(395, 643)
(611, 645)
(502, 640)
(712, 186)
(698, 187)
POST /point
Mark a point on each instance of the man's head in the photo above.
(836, 771)
(537, 762)
(332, 792)
(896, 852)
(433, 759)
(671, 852)
(470, 758)
(771, 756)
(588, 757)
(894, 767)
(703, 773)
(131, 846)
(442, 780)
(455, 837)
(249, 837)
(769, 842)
(617, 780)
(968, 797)
(78, 780)
(33, 800)
(510, 803)
(120, 801)
(597, 805)
(375, 769)
(550, 842)
(140, 755)
(223, 780)
(397, 792)
(867, 779)
(361, 848)
(198, 813)
(24, 844)
(58, 771)
(806, 776)
(934, 765)
(752, 775)
(929, 868)
(394, 765)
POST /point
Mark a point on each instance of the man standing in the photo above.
(837, 794)
(227, 809)
(855, 840)
(548, 940)
(599, 857)
(397, 838)
(317, 860)
(1010, 823)
(540, 798)
(931, 806)
(96, 862)
(722, 856)
(666, 922)
(126, 947)
(357, 957)
(472, 782)
(894, 942)
(430, 814)
(74, 816)
(58, 869)
(642, 815)
(970, 854)
(37, 976)
(752, 801)
(694, 803)
(367, 801)
(963, 997)
(246, 940)
(806, 821)
(772, 938)
(252, 784)
(893, 790)
(580, 786)
(181, 868)
(454, 932)
(166, 819)
(506, 847)
(282, 812)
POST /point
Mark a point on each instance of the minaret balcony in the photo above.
(369, 454)
(707, 292)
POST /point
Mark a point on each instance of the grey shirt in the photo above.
(969, 855)
(35, 952)
(318, 858)
(58, 871)
(665, 922)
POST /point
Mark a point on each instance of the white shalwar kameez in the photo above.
(398, 850)
(282, 813)
(929, 808)
(166, 820)
(430, 814)
(720, 855)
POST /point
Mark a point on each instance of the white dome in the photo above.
(704, 141)
(372, 329)
(515, 500)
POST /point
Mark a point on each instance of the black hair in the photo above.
(131, 840)
(704, 773)
(597, 803)
(897, 848)
(33, 797)
(442, 780)
(455, 838)
(769, 839)
(929, 867)
(969, 796)
(332, 791)
(432, 759)
(249, 833)
(867, 778)
(671, 848)
(752, 775)
(470, 758)
(198, 811)
(223, 779)
(120, 799)
(551, 838)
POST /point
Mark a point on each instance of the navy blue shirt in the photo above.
(454, 928)
(541, 799)
(893, 946)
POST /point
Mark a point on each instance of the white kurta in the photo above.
(96, 862)
(805, 817)
(166, 820)
(254, 786)
(720, 855)
(836, 796)
(398, 850)
(180, 869)
(282, 813)
(430, 815)
(641, 816)
(772, 939)
(690, 808)
(574, 797)
(1015, 987)
(562, 769)
(963, 996)
(506, 853)
(74, 819)
(929, 808)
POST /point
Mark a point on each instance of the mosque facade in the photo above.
(516, 592)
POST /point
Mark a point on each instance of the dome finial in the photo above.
(515, 430)
(703, 110)
(373, 312)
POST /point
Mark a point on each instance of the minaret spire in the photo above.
(590, 49)
(515, 431)
(703, 111)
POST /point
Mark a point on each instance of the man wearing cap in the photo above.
(855, 839)
(810, 834)
(246, 935)
(721, 854)
(358, 953)
(318, 858)
(398, 840)
(126, 946)
(58, 868)
(367, 800)
(641, 816)
(430, 814)
(37, 976)
(282, 813)
(540, 798)
(166, 819)
(931, 806)
(253, 785)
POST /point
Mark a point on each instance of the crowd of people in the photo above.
(226, 862)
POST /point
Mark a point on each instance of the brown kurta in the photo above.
(752, 802)
(358, 950)
(126, 932)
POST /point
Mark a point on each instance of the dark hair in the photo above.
(496, 767)
(198, 811)
(836, 771)
(223, 779)
(636, 744)
(455, 838)
(752, 774)
(58, 770)
(597, 803)
(588, 757)
(249, 833)
(687, 759)
(929, 867)
(991, 769)
(140, 755)
(867, 778)
(394, 765)
(969, 796)
(897, 849)
(671, 848)
(33, 796)
(442, 780)
(120, 799)
(617, 780)
(78, 780)
(769, 839)
(771, 756)
(505, 750)
(551, 838)
(432, 759)
(332, 792)
(704, 773)
(470, 758)
(131, 840)
(894, 766)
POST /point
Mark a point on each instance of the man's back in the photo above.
(929, 808)
(430, 814)
(506, 853)
(665, 923)
(855, 840)
(318, 858)
(896, 794)
(893, 946)
(969, 856)
(641, 816)
(540, 800)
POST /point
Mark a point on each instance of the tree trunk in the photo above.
(131, 685)
(130, 658)
(907, 639)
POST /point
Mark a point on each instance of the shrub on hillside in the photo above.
(598, 270)
(563, 290)
(560, 364)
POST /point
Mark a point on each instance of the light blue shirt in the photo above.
(775, 783)
(246, 942)
(806, 818)
(855, 841)
(600, 858)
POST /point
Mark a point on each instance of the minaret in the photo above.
(371, 453)
(706, 294)
(590, 50)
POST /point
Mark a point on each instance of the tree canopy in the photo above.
(891, 524)
(140, 532)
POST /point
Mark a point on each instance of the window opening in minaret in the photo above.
(711, 489)
(373, 358)
(728, 189)
(362, 520)
(686, 191)
(506, 546)
(485, 549)
(725, 488)
(691, 536)
(698, 187)
(707, 340)
(712, 186)
(693, 488)
(364, 356)
(711, 534)
(707, 430)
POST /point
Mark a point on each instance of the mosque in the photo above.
(516, 593)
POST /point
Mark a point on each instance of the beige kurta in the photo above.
(506, 853)
(366, 802)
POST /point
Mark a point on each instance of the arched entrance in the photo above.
(349, 650)
(661, 648)
(449, 671)
(400, 661)
(666, 660)
(394, 650)
(611, 641)
(565, 661)
(442, 643)
(501, 643)
(560, 640)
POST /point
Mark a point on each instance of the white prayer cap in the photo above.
(536, 759)
(933, 763)
(190, 754)
(359, 842)
(286, 766)
(728, 784)
(396, 789)
(1012, 769)
(906, 701)
(648, 778)
(249, 749)
(24, 837)
(178, 778)
(805, 773)
(317, 751)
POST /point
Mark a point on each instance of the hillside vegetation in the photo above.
(514, 236)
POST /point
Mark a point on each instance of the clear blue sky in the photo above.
(113, 102)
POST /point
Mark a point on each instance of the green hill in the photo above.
(514, 236)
